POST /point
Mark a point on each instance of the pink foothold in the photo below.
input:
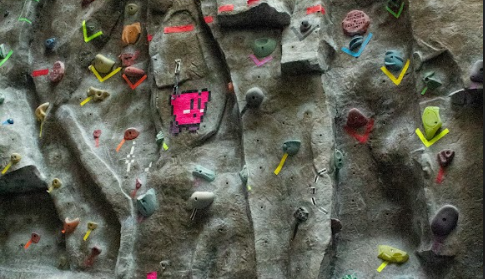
(134, 72)
(57, 72)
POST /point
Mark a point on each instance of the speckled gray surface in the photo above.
(385, 193)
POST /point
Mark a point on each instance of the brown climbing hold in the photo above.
(355, 119)
(131, 33)
(355, 23)
(57, 72)
(131, 134)
(445, 157)
(70, 225)
(97, 94)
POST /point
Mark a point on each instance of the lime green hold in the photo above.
(391, 254)
(431, 121)
(263, 47)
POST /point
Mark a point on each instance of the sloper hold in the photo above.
(201, 200)
(355, 119)
(476, 73)
(291, 147)
(103, 64)
(204, 173)
(445, 220)
(147, 203)
(263, 47)
(70, 225)
(431, 121)
(22, 180)
(445, 157)
(254, 97)
(391, 254)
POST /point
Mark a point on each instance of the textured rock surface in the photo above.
(310, 220)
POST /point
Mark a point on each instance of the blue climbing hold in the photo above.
(50, 44)
(394, 60)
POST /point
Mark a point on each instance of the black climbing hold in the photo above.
(254, 97)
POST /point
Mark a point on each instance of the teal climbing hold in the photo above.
(263, 47)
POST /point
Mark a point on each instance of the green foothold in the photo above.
(147, 203)
(431, 121)
(291, 147)
(204, 173)
(160, 138)
(339, 159)
(431, 81)
(3, 51)
(263, 47)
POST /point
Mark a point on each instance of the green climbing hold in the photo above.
(204, 173)
(339, 159)
(160, 138)
(431, 121)
(147, 203)
(432, 82)
(291, 147)
(3, 51)
(263, 47)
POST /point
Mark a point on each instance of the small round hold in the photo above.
(305, 26)
(95, 251)
(15, 158)
(56, 183)
(356, 42)
(131, 9)
(50, 43)
(301, 214)
(10, 121)
(35, 237)
(445, 220)
(131, 134)
(476, 74)
(254, 97)
(96, 134)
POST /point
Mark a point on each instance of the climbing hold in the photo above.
(131, 9)
(391, 254)
(102, 64)
(204, 173)
(128, 59)
(56, 184)
(201, 200)
(50, 44)
(15, 158)
(355, 119)
(34, 238)
(445, 220)
(335, 225)
(138, 185)
(160, 138)
(8, 121)
(263, 47)
(445, 157)
(91, 227)
(432, 82)
(393, 60)
(131, 33)
(301, 214)
(243, 174)
(70, 225)
(254, 97)
(147, 203)
(355, 23)
(431, 121)
(40, 111)
(476, 74)
(84, 3)
(305, 26)
(131, 134)
(95, 251)
(97, 95)
(291, 147)
(339, 159)
(230, 88)
(3, 51)
(356, 42)
(96, 135)
(57, 72)
(134, 72)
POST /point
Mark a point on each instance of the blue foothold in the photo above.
(394, 60)
(50, 43)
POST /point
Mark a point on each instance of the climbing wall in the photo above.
(241, 139)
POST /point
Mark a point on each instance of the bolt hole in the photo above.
(444, 219)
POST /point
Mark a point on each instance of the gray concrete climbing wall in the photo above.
(241, 139)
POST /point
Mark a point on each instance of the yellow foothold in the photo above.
(391, 254)
(165, 146)
(91, 227)
(382, 266)
(282, 162)
(56, 184)
(431, 121)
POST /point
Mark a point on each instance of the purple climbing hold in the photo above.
(445, 221)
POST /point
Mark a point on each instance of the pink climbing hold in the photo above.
(189, 109)
(355, 23)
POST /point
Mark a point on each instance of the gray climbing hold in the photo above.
(243, 174)
(432, 82)
(291, 147)
(3, 51)
(445, 220)
(254, 97)
(356, 42)
(476, 73)
(201, 200)
(2, 98)
(339, 159)
(204, 173)
(263, 47)
(305, 26)
(301, 214)
(393, 60)
(147, 203)
(160, 138)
